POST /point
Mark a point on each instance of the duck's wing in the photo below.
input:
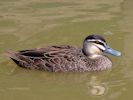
(53, 58)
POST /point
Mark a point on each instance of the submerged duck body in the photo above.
(67, 58)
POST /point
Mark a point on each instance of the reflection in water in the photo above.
(95, 85)
(96, 88)
(100, 88)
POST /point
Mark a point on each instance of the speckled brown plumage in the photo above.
(59, 59)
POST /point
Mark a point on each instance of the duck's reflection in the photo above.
(103, 84)
(95, 87)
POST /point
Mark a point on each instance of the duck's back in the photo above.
(52, 58)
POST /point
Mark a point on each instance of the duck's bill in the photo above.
(112, 51)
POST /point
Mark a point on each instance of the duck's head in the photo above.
(96, 45)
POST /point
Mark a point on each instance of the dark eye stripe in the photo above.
(99, 43)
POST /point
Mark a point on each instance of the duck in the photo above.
(64, 58)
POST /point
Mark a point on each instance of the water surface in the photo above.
(35, 23)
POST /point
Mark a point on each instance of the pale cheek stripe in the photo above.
(100, 46)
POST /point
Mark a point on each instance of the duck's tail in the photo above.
(19, 59)
(14, 56)
(11, 54)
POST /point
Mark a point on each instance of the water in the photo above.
(35, 23)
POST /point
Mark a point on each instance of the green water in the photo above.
(26, 24)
